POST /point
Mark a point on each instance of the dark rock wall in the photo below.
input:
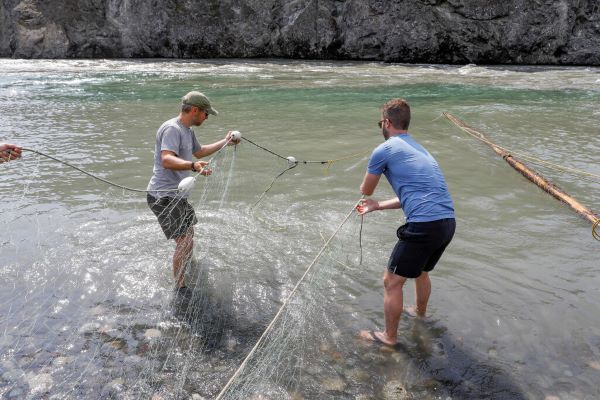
(428, 31)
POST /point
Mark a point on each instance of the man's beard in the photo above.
(385, 133)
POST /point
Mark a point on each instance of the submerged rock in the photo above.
(395, 390)
(60, 361)
(40, 383)
(231, 345)
(358, 375)
(90, 327)
(594, 364)
(297, 396)
(118, 344)
(152, 333)
(398, 357)
(113, 388)
(12, 375)
(16, 393)
(333, 384)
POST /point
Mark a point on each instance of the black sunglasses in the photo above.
(380, 123)
(204, 111)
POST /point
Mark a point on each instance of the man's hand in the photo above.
(201, 167)
(366, 206)
(231, 141)
(9, 152)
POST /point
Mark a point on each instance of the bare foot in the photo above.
(377, 337)
(412, 311)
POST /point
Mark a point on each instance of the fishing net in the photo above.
(107, 319)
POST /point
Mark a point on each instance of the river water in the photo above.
(87, 307)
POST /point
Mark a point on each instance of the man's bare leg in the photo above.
(392, 309)
(183, 253)
(422, 293)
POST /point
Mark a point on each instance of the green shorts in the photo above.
(175, 215)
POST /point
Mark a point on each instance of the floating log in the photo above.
(532, 175)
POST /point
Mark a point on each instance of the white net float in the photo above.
(291, 160)
(236, 135)
(187, 184)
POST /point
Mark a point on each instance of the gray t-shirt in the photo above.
(175, 137)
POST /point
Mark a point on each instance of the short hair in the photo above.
(398, 112)
(186, 108)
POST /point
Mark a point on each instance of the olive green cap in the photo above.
(199, 100)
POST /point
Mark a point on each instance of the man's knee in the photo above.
(184, 243)
(392, 281)
(423, 277)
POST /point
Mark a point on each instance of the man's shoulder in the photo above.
(171, 125)
(170, 122)
(388, 145)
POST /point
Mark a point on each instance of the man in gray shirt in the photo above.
(175, 146)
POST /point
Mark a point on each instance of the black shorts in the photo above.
(175, 215)
(420, 246)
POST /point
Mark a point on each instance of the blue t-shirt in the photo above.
(175, 137)
(415, 177)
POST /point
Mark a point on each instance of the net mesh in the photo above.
(111, 321)
(92, 308)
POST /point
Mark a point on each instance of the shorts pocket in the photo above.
(401, 230)
(408, 233)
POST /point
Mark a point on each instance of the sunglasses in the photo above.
(204, 111)
(380, 123)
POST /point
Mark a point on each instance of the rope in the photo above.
(472, 132)
(264, 148)
(112, 183)
(595, 233)
(85, 172)
(272, 182)
(285, 303)
(328, 162)
(523, 155)
(362, 217)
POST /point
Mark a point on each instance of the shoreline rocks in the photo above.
(426, 31)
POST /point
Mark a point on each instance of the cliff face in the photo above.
(428, 31)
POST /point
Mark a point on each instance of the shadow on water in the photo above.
(427, 363)
(207, 309)
(438, 364)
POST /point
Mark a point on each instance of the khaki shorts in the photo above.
(175, 215)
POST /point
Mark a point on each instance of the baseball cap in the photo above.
(199, 100)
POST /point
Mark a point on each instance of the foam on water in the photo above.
(522, 77)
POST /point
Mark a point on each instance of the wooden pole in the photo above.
(530, 174)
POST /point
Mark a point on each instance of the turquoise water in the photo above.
(86, 293)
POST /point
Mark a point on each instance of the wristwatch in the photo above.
(193, 168)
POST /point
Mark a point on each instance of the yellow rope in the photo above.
(595, 233)
(524, 155)
(362, 153)
(330, 162)
(528, 157)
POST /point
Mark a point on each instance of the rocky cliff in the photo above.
(429, 31)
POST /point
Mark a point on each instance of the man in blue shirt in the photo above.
(423, 195)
